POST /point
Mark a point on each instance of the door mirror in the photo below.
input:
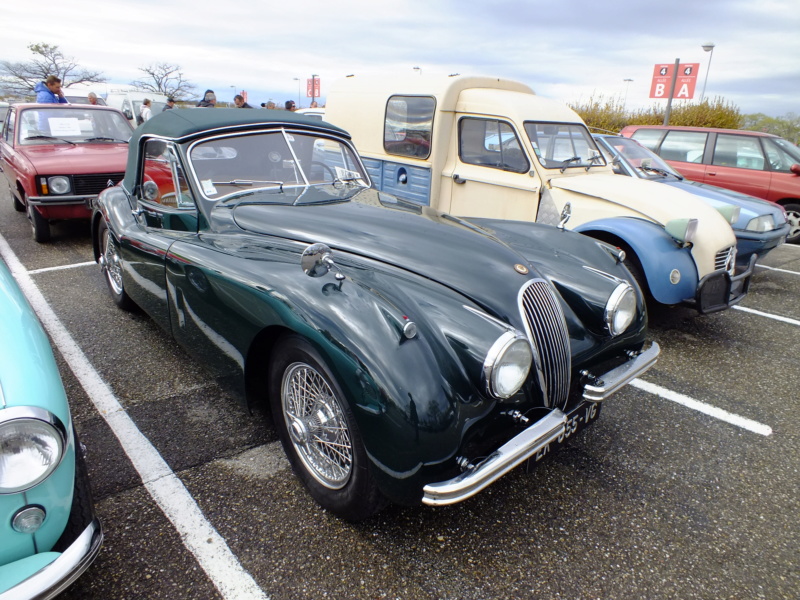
(795, 168)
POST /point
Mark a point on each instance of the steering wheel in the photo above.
(324, 168)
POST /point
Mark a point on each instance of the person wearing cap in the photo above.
(170, 104)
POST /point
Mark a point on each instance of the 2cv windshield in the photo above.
(273, 160)
(563, 145)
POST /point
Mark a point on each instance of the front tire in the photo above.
(39, 225)
(111, 265)
(319, 433)
(18, 205)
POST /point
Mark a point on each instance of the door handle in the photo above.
(457, 179)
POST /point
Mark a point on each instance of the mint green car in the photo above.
(49, 533)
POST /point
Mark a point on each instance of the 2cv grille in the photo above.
(547, 331)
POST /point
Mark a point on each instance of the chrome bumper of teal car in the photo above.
(535, 438)
(53, 579)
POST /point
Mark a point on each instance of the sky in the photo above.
(572, 51)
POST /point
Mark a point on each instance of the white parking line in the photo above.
(753, 311)
(707, 409)
(61, 268)
(198, 535)
(777, 269)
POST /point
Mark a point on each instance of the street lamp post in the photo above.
(625, 101)
(233, 87)
(313, 88)
(297, 79)
(709, 47)
(418, 70)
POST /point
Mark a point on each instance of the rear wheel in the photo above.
(319, 433)
(793, 217)
(111, 265)
(39, 225)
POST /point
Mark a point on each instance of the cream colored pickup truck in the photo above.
(489, 148)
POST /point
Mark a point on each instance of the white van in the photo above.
(130, 102)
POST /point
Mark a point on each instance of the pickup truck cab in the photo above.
(483, 147)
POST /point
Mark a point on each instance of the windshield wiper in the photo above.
(567, 162)
(105, 139)
(592, 160)
(248, 182)
(650, 169)
(49, 137)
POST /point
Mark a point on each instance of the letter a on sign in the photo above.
(684, 86)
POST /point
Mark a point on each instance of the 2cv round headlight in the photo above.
(620, 309)
(507, 365)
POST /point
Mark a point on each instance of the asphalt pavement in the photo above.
(686, 486)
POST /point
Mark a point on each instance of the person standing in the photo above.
(49, 91)
(238, 100)
(290, 105)
(92, 98)
(209, 100)
(145, 112)
(170, 104)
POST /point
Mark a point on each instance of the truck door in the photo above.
(490, 174)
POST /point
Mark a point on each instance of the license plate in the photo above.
(580, 417)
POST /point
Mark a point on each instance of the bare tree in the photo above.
(19, 78)
(163, 78)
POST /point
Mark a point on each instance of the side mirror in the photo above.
(150, 191)
(795, 168)
(566, 213)
(316, 261)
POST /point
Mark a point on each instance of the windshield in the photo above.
(563, 145)
(275, 160)
(646, 163)
(44, 125)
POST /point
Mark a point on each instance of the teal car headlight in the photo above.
(620, 309)
(32, 443)
(58, 184)
(507, 365)
(682, 230)
(761, 224)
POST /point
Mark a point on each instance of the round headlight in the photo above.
(58, 185)
(620, 309)
(30, 450)
(507, 365)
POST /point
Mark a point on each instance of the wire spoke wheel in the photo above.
(317, 426)
(110, 262)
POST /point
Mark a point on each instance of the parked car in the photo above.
(751, 162)
(82, 99)
(130, 102)
(406, 355)
(312, 113)
(56, 158)
(49, 532)
(3, 110)
(759, 225)
(486, 147)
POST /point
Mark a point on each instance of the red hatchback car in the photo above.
(760, 164)
(56, 159)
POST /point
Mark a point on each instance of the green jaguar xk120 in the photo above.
(407, 355)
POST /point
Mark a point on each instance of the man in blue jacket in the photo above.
(49, 91)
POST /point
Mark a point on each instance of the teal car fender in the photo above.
(656, 251)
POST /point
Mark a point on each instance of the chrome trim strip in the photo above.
(616, 378)
(515, 451)
(49, 581)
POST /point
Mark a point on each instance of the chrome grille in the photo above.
(94, 184)
(724, 260)
(547, 331)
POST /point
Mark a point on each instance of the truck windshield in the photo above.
(563, 145)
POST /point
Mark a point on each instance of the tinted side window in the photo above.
(648, 138)
(738, 151)
(408, 125)
(490, 143)
(684, 146)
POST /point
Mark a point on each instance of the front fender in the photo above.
(657, 252)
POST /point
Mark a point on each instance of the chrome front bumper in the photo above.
(534, 438)
(53, 579)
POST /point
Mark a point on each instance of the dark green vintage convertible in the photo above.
(407, 355)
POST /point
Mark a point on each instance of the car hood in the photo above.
(453, 252)
(750, 207)
(77, 159)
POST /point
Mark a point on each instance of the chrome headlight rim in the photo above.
(620, 309)
(59, 185)
(47, 424)
(492, 365)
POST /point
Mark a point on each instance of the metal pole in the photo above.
(672, 90)
(313, 88)
(708, 48)
(627, 83)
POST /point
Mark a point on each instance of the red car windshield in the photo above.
(54, 125)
